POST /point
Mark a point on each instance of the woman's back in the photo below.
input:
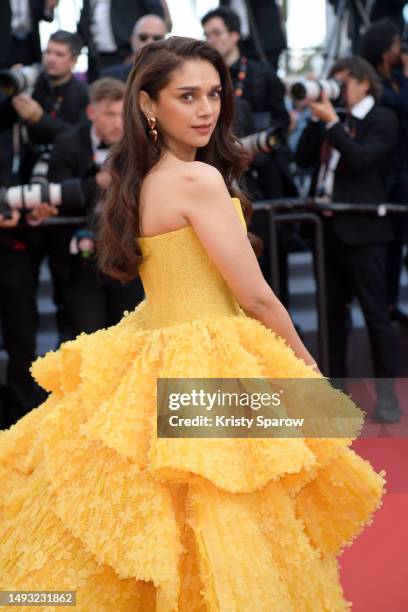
(180, 280)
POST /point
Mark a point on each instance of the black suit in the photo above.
(392, 9)
(95, 301)
(124, 14)
(118, 71)
(269, 174)
(64, 108)
(356, 244)
(268, 23)
(361, 173)
(29, 50)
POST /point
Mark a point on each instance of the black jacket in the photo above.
(37, 14)
(118, 71)
(263, 90)
(268, 23)
(392, 9)
(70, 112)
(72, 157)
(64, 108)
(360, 176)
(124, 14)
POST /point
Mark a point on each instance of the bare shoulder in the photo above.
(200, 184)
(178, 177)
(192, 178)
(200, 172)
(177, 190)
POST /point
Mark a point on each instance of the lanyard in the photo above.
(56, 106)
(242, 74)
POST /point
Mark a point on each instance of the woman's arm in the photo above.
(207, 205)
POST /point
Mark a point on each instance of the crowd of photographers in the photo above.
(348, 134)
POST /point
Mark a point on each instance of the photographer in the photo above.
(350, 158)
(18, 313)
(269, 175)
(381, 46)
(95, 301)
(57, 103)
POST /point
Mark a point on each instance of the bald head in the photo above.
(147, 29)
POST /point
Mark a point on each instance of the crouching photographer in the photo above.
(350, 155)
(95, 301)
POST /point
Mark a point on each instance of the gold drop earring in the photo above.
(152, 124)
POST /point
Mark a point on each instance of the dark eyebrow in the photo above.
(192, 88)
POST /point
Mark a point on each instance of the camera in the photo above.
(14, 81)
(264, 141)
(68, 194)
(310, 90)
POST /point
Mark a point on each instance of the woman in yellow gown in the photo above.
(92, 500)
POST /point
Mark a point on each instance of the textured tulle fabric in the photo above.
(92, 501)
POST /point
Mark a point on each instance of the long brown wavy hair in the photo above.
(118, 252)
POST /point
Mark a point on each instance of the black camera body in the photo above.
(265, 141)
(14, 81)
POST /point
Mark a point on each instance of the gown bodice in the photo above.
(180, 281)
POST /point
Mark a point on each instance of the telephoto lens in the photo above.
(311, 90)
(15, 81)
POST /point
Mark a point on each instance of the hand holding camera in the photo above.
(41, 212)
(323, 109)
(28, 110)
(10, 221)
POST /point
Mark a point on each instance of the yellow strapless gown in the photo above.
(92, 501)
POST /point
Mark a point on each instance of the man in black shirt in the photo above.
(57, 103)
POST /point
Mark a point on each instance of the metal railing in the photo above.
(309, 210)
(303, 210)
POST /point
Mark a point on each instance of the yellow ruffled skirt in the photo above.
(92, 501)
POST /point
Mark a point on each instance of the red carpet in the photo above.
(374, 569)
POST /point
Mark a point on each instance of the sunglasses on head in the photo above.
(143, 36)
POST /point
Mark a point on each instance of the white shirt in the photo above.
(362, 109)
(100, 155)
(101, 26)
(325, 181)
(20, 17)
(238, 6)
